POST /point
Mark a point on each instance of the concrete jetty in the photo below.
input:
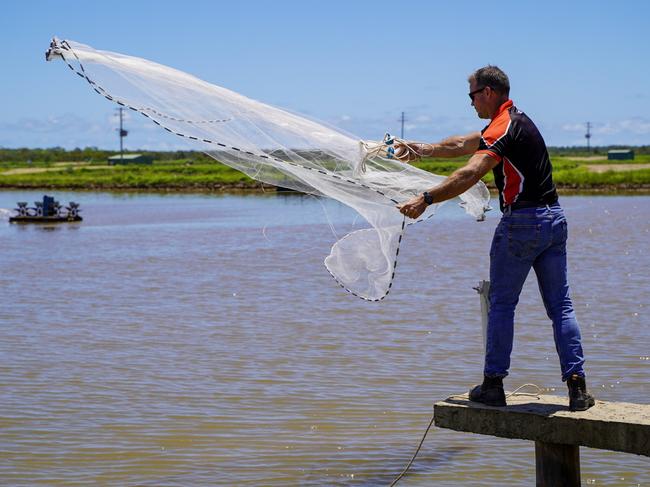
(557, 432)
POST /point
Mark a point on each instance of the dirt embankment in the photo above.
(615, 167)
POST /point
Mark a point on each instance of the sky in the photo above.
(356, 65)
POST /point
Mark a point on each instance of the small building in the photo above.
(620, 154)
(129, 159)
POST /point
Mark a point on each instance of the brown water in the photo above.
(198, 340)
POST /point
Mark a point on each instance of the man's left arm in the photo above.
(457, 183)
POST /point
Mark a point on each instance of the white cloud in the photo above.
(574, 127)
(636, 125)
(71, 130)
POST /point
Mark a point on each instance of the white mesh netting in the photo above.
(277, 147)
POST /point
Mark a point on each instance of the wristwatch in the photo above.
(428, 199)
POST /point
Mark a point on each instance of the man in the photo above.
(532, 231)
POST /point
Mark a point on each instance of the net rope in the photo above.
(278, 147)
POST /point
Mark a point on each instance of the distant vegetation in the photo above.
(595, 151)
(87, 168)
(89, 154)
(95, 155)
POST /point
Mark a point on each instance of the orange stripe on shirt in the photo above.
(489, 153)
(499, 125)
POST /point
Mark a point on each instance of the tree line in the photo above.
(93, 154)
(89, 154)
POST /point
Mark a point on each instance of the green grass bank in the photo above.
(197, 172)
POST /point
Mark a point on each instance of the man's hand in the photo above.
(414, 207)
(408, 152)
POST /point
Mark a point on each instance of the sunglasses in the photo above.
(472, 94)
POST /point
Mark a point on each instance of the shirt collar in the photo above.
(503, 107)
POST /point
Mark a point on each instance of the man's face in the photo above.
(480, 100)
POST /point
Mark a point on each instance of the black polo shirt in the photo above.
(524, 173)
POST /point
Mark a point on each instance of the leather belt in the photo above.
(518, 205)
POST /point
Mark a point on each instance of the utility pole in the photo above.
(588, 136)
(402, 120)
(123, 133)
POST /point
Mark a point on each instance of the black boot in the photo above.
(579, 398)
(490, 392)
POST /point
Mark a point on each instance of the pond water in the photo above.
(199, 340)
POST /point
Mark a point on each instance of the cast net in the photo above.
(277, 147)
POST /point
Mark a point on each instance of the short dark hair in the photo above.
(493, 77)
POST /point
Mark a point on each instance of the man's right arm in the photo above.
(454, 146)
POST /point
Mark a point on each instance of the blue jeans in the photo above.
(525, 238)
